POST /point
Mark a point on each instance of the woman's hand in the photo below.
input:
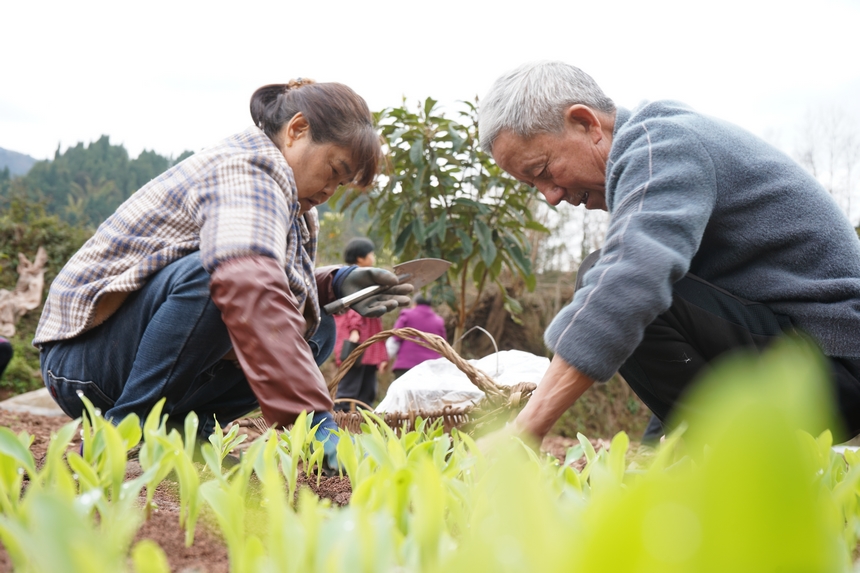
(379, 304)
(354, 336)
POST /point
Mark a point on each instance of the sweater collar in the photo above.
(622, 116)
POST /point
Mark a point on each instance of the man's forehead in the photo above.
(515, 151)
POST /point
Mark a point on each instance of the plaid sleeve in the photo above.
(244, 211)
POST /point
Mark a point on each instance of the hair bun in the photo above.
(298, 82)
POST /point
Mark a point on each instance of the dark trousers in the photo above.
(358, 383)
(5, 354)
(167, 340)
(704, 323)
(653, 431)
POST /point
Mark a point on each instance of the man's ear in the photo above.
(583, 117)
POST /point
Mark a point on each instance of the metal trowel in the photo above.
(418, 273)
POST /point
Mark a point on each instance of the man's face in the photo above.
(566, 166)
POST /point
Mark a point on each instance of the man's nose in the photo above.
(553, 193)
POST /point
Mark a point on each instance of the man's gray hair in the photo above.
(532, 98)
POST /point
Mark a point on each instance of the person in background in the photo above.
(202, 287)
(360, 382)
(420, 316)
(5, 354)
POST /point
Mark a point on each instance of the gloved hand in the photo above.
(379, 304)
(327, 434)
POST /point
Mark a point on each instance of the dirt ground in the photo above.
(208, 554)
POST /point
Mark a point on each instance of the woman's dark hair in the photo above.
(421, 299)
(335, 113)
(357, 249)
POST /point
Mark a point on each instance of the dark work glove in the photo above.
(379, 304)
(327, 434)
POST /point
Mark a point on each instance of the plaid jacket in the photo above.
(235, 199)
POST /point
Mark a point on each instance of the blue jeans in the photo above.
(167, 340)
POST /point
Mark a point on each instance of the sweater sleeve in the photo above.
(401, 322)
(661, 190)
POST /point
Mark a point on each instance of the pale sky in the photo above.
(175, 75)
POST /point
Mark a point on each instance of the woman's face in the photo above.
(318, 168)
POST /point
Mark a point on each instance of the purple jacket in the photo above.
(420, 317)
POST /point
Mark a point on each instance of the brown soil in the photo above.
(208, 553)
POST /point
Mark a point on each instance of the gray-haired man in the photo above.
(716, 241)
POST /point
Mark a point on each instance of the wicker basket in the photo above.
(500, 401)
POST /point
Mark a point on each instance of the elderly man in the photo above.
(716, 241)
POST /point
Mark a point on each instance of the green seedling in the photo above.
(55, 473)
(228, 503)
(148, 557)
(750, 490)
(15, 460)
(295, 446)
(189, 479)
(219, 446)
(225, 443)
(157, 454)
(77, 545)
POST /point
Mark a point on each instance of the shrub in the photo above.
(24, 227)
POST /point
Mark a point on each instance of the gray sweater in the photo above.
(690, 193)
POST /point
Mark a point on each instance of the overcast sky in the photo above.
(175, 75)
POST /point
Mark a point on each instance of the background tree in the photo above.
(24, 227)
(829, 147)
(336, 230)
(443, 197)
(85, 184)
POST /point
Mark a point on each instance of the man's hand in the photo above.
(495, 442)
(559, 389)
(379, 304)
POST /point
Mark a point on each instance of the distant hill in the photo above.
(86, 183)
(18, 163)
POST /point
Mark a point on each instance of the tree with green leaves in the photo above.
(85, 184)
(443, 197)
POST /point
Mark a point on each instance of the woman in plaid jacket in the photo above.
(201, 288)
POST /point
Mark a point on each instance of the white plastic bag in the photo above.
(437, 383)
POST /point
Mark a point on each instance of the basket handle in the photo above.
(427, 340)
(354, 403)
